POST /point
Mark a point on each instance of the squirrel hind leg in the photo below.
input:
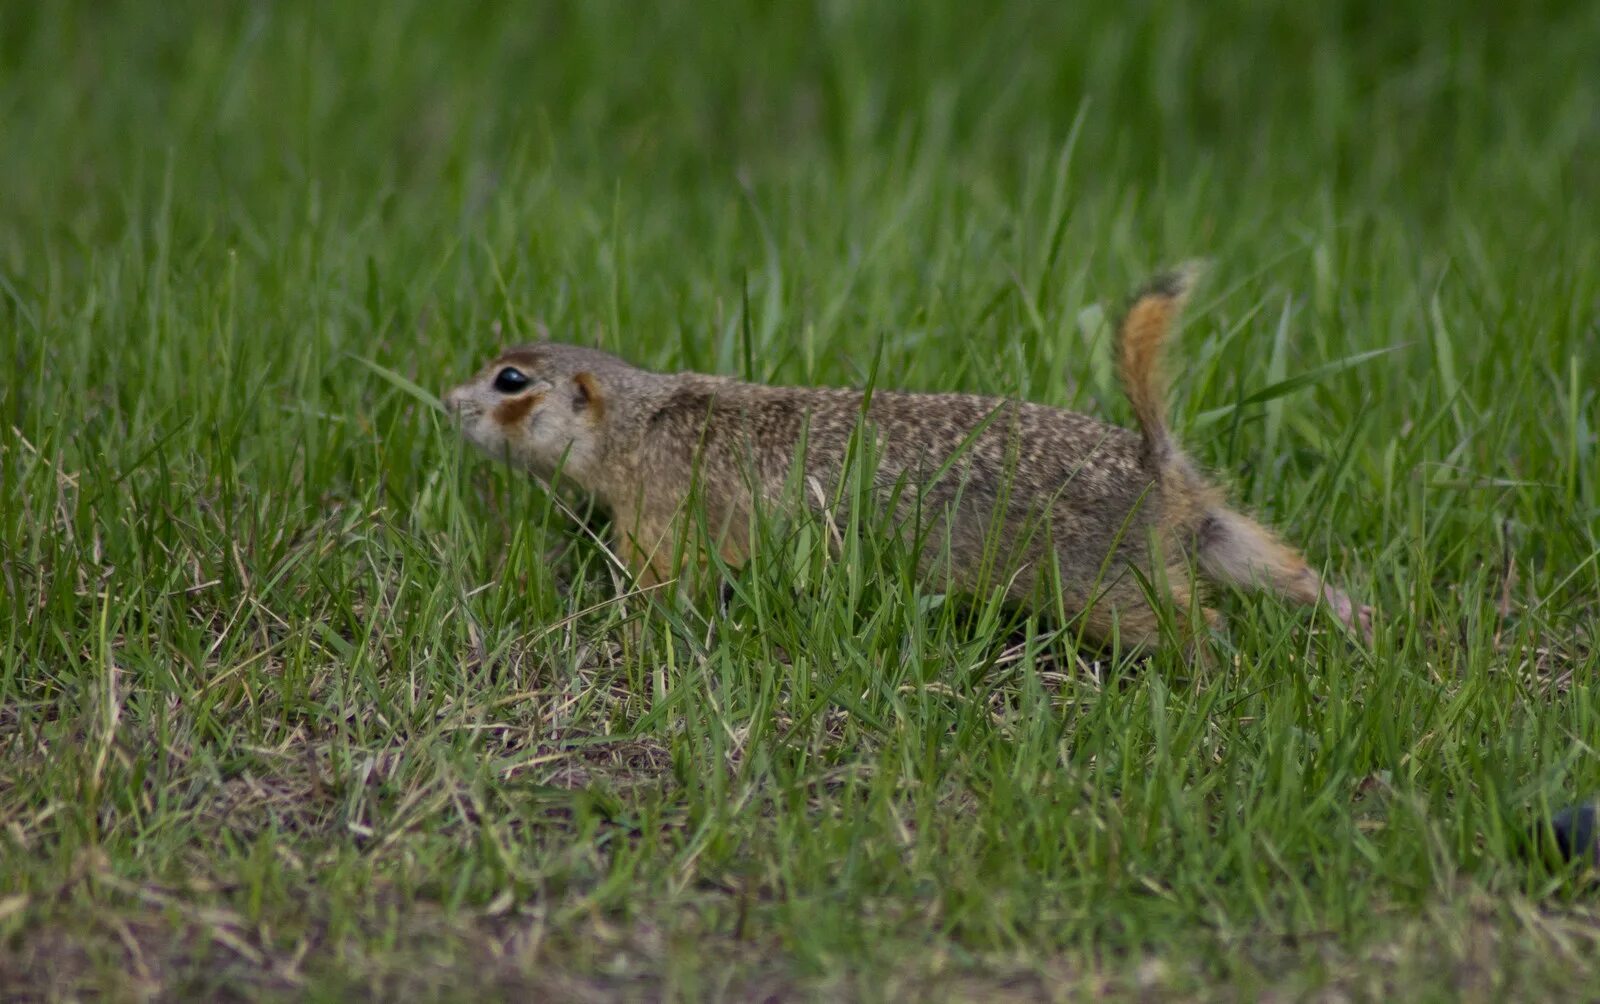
(1197, 639)
(1124, 615)
(1236, 549)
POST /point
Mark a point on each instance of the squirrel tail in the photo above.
(1140, 339)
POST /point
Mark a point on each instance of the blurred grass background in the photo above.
(297, 700)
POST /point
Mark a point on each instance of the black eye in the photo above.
(510, 380)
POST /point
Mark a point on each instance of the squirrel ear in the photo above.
(586, 394)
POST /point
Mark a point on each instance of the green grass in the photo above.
(298, 698)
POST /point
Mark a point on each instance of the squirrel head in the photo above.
(539, 407)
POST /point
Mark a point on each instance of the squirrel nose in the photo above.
(452, 400)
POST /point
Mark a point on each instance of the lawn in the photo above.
(299, 698)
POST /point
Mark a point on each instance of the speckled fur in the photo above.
(1030, 485)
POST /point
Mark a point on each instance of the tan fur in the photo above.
(1038, 494)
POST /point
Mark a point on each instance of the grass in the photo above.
(299, 699)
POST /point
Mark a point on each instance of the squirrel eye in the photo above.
(510, 380)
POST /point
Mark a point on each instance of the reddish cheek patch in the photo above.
(515, 410)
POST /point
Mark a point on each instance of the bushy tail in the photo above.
(1140, 339)
(1233, 548)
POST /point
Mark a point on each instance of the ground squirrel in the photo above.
(1109, 507)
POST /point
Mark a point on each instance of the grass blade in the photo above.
(402, 383)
